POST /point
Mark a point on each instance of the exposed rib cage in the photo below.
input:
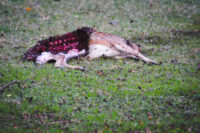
(77, 39)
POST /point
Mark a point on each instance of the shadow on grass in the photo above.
(165, 39)
(188, 1)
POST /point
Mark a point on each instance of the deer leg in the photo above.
(145, 59)
(126, 56)
(72, 67)
(133, 53)
(61, 62)
(44, 57)
(61, 59)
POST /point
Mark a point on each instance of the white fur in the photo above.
(98, 50)
(44, 57)
(73, 53)
(120, 48)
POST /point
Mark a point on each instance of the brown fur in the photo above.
(97, 44)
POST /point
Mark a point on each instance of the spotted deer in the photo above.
(84, 41)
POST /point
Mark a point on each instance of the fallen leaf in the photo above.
(101, 73)
(28, 9)
(150, 117)
(132, 71)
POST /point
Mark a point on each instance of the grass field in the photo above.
(112, 95)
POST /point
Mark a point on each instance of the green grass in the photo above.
(112, 95)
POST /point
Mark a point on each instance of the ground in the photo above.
(111, 95)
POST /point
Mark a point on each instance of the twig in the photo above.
(13, 82)
(57, 122)
(64, 121)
